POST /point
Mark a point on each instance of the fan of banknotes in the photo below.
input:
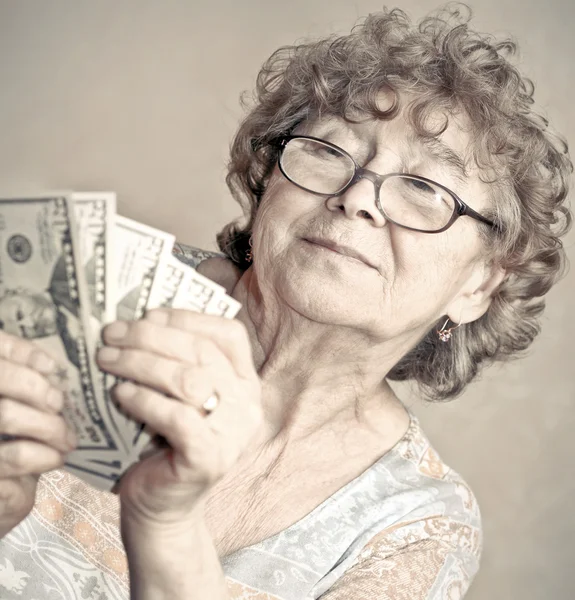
(68, 265)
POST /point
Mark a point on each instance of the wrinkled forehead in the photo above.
(448, 148)
(444, 134)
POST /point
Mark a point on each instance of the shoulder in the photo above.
(437, 537)
(426, 541)
(428, 559)
(418, 466)
(214, 265)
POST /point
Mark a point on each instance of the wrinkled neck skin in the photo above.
(317, 376)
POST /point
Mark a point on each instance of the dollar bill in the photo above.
(196, 292)
(166, 283)
(95, 220)
(200, 294)
(140, 255)
(140, 251)
(180, 286)
(94, 214)
(43, 297)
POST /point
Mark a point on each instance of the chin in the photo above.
(321, 299)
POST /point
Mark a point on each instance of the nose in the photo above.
(359, 201)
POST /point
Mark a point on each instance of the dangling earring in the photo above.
(445, 333)
(249, 253)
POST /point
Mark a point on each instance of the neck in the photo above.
(315, 375)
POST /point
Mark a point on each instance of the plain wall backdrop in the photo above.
(142, 97)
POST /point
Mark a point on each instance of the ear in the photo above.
(473, 302)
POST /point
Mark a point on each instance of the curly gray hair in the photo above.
(448, 67)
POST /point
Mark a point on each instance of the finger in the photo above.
(205, 446)
(168, 417)
(230, 335)
(27, 385)
(190, 383)
(27, 457)
(165, 341)
(24, 352)
(20, 420)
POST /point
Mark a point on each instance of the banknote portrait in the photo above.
(33, 314)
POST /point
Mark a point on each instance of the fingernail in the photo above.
(157, 316)
(43, 363)
(55, 399)
(107, 354)
(71, 440)
(125, 390)
(116, 331)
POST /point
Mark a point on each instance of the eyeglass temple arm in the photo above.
(467, 210)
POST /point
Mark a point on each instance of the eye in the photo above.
(326, 152)
(332, 151)
(422, 186)
(19, 315)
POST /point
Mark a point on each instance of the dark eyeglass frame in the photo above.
(461, 209)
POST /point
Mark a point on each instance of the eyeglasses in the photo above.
(410, 201)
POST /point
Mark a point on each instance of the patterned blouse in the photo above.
(407, 528)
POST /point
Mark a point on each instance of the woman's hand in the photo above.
(175, 360)
(33, 437)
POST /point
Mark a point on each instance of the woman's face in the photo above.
(412, 278)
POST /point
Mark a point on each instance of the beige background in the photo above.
(141, 97)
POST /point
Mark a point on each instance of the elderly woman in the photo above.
(403, 207)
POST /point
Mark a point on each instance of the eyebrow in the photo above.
(341, 127)
(444, 154)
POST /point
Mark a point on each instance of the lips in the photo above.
(341, 249)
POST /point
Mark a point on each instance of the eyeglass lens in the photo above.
(405, 199)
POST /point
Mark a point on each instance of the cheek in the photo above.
(284, 213)
(268, 232)
(425, 266)
(434, 268)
